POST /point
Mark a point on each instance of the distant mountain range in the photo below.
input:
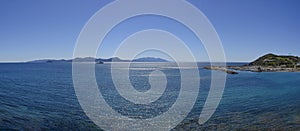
(99, 60)
(149, 59)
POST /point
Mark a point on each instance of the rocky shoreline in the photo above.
(220, 68)
(234, 69)
(263, 69)
(267, 63)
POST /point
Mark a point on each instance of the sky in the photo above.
(48, 29)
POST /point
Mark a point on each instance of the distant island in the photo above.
(99, 60)
(267, 63)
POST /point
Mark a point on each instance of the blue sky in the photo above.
(35, 29)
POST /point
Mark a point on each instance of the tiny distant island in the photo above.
(99, 60)
(267, 63)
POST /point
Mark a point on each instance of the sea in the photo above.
(41, 96)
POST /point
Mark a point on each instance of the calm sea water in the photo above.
(42, 97)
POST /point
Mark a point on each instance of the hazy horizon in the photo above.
(169, 60)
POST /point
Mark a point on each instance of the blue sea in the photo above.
(42, 97)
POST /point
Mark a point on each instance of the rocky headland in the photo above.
(266, 63)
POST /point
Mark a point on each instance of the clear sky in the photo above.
(35, 29)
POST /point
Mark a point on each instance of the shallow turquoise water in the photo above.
(42, 97)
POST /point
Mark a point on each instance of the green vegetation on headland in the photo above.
(266, 63)
(271, 60)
